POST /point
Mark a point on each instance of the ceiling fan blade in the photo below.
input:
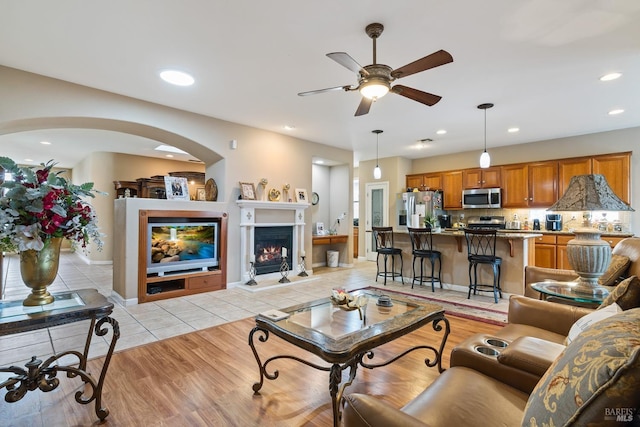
(417, 95)
(364, 107)
(436, 59)
(329, 89)
(347, 61)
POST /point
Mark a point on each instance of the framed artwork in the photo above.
(301, 195)
(201, 194)
(176, 187)
(247, 190)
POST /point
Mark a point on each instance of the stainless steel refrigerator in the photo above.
(412, 208)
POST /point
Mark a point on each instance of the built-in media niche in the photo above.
(181, 253)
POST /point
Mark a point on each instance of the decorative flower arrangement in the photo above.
(340, 297)
(37, 205)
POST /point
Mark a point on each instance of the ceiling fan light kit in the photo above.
(485, 158)
(374, 80)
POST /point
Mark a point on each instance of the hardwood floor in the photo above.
(205, 378)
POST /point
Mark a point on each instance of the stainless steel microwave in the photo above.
(481, 198)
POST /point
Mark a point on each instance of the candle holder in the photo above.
(301, 266)
(284, 270)
(252, 275)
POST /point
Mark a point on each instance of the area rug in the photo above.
(466, 311)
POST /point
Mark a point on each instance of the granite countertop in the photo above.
(505, 234)
(570, 233)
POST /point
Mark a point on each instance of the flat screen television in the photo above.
(175, 247)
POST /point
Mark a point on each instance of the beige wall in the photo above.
(31, 101)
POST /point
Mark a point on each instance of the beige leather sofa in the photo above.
(601, 392)
(629, 247)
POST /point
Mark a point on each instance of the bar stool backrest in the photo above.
(480, 242)
(421, 239)
(383, 237)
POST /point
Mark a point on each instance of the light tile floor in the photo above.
(149, 322)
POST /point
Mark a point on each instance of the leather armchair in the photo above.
(462, 396)
(629, 247)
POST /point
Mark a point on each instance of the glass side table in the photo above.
(68, 307)
(566, 291)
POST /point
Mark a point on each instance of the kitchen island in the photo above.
(517, 250)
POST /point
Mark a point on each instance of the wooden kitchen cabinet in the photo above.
(562, 261)
(569, 168)
(414, 181)
(432, 181)
(481, 178)
(616, 168)
(545, 251)
(452, 188)
(530, 185)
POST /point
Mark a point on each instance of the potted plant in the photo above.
(38, 208)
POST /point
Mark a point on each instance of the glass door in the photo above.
(377, 213)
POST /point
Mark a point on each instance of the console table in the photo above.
(68, 307)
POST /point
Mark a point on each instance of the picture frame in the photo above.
(247, 191)
(201, 194)
(176, 188)
(301, 195)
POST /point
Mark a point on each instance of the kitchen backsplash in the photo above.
(570, 220)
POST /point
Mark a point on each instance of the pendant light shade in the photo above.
(485, 158)
(377, 172)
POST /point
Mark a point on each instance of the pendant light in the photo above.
(377, 172)
(485, 159)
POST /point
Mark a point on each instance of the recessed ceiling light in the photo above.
(177, 78)
(168, 155)
(289, 127)
(614, 112)
(441, 132)
(169, 149)
(45, 143)
(513, 130)
(610, 76)
(319, 162)
(28, 160)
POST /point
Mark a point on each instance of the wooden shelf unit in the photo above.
(171, 285)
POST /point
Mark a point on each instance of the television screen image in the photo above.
(182, 246)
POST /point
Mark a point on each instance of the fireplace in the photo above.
(269, 242)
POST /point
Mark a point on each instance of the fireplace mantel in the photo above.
(258, 213)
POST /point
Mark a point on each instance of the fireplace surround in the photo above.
(256, 214)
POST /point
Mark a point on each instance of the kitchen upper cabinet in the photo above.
(530, 185)
(515, 186)
(432, 181)
(568, 168)
(415, 181)
(452, 188)
(616, 168)
(543, 184)
(481, 178)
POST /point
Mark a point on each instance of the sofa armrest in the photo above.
(362, 410)
(533, 274)
(531, 355)
(546, 315)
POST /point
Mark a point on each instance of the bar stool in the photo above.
(422, 248)
(481, 249)
(383, 236)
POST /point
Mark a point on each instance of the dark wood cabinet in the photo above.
(121, 188)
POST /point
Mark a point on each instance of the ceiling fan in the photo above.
(374, 81)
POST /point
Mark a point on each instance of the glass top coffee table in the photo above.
(566, 290)
(343, 337)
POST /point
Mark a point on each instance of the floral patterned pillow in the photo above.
(595, 381)
(626, 294)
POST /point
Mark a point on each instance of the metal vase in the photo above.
(39, 269)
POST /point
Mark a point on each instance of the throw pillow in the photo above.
(595, 381)
(587, 321)
(617, 267)
(626, 294)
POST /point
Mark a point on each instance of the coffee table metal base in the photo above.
(336, 389)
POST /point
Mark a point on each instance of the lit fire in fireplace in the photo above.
(269, 254)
